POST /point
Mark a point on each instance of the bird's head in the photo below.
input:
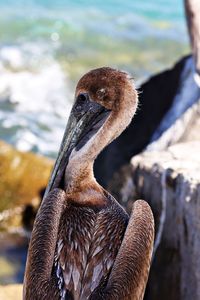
(105, 102)
(107, 87)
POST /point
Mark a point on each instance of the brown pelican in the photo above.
(84, 245)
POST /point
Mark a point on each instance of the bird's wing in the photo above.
(42, 246)
(130, 271)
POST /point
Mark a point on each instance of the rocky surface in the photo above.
(22, 176)
(170, 181)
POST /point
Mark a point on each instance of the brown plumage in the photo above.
(83, 245)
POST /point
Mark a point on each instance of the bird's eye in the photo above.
(82, 97)
(81, 100)
(101, 93)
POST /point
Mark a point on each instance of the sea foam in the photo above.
(35, 101)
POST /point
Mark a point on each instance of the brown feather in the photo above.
(89, 240)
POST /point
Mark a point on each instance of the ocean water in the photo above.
(46, 45)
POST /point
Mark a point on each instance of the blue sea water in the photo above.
(46, 45)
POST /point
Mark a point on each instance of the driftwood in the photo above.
(170, 181)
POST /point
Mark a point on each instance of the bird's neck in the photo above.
(79, 171)
(81, 186)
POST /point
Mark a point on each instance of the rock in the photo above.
(170, 181)
(156, 98)
(11, 292)
(22, 175)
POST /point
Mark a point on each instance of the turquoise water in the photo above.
(46, 45)
(136, 35)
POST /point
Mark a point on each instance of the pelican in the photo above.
(83, 244)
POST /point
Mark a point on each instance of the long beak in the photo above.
(81, 118)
